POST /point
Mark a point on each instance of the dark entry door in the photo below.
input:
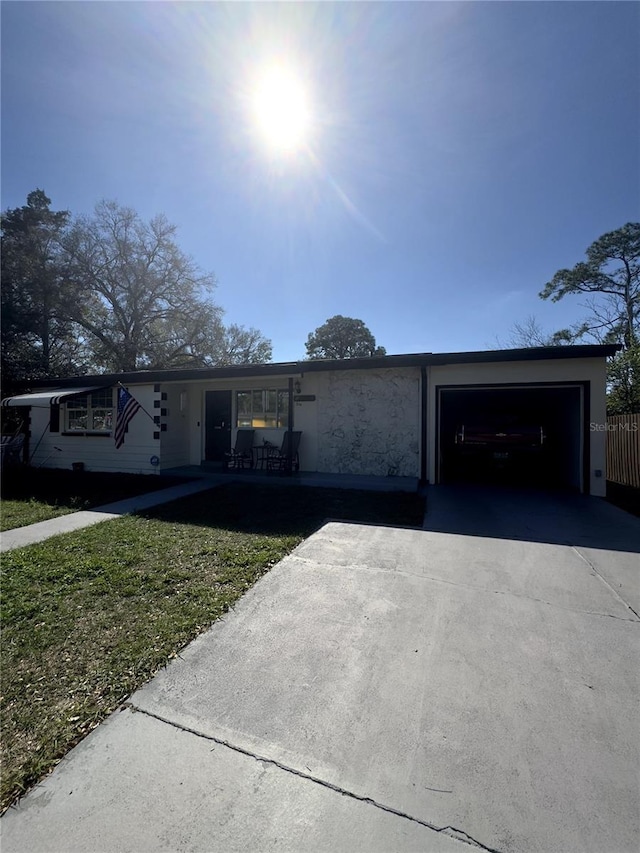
(217, 425)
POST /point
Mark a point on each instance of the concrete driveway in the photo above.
(384, 689)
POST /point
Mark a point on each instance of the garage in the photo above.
(525, 435)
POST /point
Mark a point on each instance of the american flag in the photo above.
(127, 408)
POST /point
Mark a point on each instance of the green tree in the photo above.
(39, 338)
(610, 277)
(342, 337)
(624, 382)
(146, 304)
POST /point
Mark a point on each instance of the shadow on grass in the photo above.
(78, 490)
(286, 511)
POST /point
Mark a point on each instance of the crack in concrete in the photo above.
(484, 589)
(606, 583)
(566, 609)
(450, 831)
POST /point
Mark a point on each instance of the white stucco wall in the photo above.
(592, 370)
(195, 422)
(368, 422)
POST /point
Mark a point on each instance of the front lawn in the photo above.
(90, 616)
(36, 494)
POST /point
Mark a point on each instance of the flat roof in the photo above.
(183, 374)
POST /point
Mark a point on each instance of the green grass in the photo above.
(30, 495)
(90, 616)
(20, 513)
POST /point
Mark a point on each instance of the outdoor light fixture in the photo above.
(297, 387)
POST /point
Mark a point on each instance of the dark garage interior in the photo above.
(525, 436)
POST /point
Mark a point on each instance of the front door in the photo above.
(217, 425)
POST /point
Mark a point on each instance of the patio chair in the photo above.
(242, 453)
(287, 458)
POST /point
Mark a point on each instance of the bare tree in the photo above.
(529, 333)
(143, 302)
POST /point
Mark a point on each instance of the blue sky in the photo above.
(460, 153)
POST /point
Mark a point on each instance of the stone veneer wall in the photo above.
(368, 422)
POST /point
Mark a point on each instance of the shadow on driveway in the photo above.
(558, 518)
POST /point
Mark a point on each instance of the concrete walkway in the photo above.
(21, 536)
(383, 689)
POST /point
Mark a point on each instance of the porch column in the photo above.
(289, 460)
(423, 425)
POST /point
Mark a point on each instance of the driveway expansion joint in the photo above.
(487, 590)
(606, 583)
(450, 831)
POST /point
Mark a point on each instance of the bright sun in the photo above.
(281, 110)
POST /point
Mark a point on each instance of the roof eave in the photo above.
(299, 367)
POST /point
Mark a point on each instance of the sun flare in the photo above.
(281, 110)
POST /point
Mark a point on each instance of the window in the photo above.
(90, 413)
(262, 409)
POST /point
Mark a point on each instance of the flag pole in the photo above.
(142, 408)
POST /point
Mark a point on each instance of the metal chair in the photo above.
(242, 453)
(287, 458)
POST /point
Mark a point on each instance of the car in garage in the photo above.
(499, 442)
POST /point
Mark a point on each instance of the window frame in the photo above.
(258, 416)
(91, 412)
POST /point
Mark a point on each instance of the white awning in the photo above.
(44, 399)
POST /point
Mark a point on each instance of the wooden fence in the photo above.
(623, 449)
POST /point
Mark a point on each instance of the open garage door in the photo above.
(528, 435)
